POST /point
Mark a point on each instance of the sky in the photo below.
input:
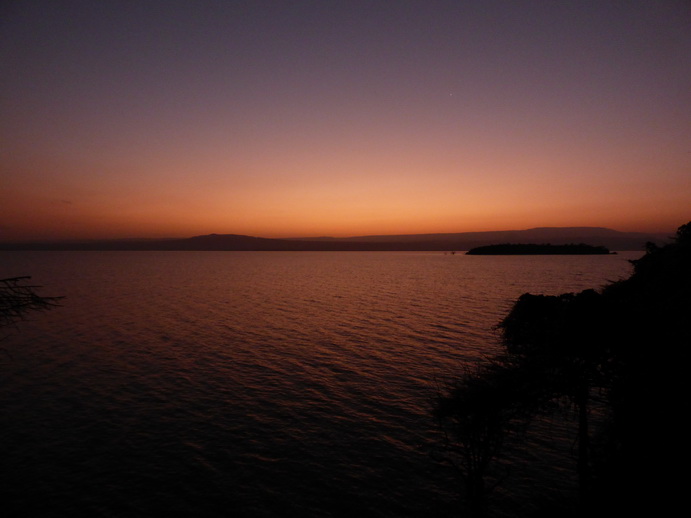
(174, 118)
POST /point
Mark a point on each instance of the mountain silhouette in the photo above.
(594, 236)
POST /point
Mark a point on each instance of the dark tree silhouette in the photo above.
(561, 338)
(477, 414)
(647, 374)
(626, 343)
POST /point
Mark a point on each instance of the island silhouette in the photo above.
(541, 249)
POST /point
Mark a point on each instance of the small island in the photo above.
(535, 249)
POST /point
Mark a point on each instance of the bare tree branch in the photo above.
(18, 298)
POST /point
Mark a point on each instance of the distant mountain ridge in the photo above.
(595, 236)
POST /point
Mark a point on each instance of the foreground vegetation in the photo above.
(620, 349)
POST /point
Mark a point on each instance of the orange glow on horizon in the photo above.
(436, 122)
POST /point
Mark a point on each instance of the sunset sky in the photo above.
(298, 118)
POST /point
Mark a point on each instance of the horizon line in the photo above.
(320, 237)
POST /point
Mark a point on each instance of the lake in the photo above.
(250, 383)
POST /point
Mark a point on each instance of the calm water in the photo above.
(249, 383)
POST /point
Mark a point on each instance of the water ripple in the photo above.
(249, 384)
